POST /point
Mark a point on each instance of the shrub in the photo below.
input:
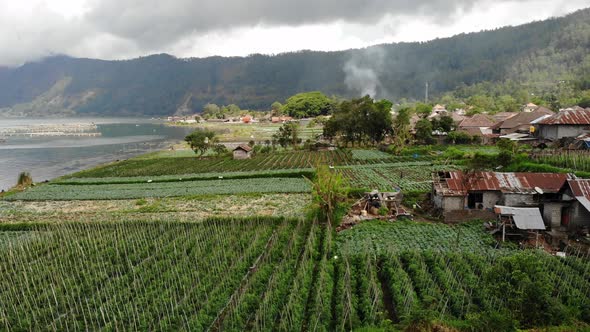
(24, 179)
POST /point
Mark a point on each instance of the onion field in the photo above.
(162, 189)
(276, 274)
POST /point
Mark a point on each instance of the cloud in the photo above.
(114, 29)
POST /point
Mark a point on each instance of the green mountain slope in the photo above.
(537, 54)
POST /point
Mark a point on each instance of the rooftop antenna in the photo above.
(426, 94)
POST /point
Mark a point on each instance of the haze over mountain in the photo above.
(538, 54)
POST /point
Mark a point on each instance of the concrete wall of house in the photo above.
(452, 203)
(518, 199)
(552, 214)
(437, 200)
(548, 132)
(570, 131)
(241, 154)
(579, 216)
(491, 198)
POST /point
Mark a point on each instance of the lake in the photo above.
(47, 157)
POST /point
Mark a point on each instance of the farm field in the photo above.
(190, 165)
(281, 274)
(164, 189)
(170, 208)
(413, 176)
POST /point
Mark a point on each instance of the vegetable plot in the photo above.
(165, 189)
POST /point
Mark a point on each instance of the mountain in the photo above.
(537, 55)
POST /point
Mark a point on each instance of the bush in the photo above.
(24, 179)
(459, 137)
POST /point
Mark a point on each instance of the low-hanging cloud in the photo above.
(120, 28)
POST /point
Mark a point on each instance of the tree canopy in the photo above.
(308, 104)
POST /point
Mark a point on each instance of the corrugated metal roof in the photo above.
(478, 120)
(524, 218)
(569, 117)
(457, 184)
(523, 119)
(581, 190)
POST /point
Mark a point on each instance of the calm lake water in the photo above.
(49, 157)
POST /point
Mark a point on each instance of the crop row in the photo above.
(576, 160)
(261, 162)
(386, 177)
(273, 274)
(300, 172)
(369, 155)
(163, 189)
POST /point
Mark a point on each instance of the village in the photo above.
(519, 205)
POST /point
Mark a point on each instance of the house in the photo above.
(521, 122)
(529, 107)
(242, 151)
(576, 213)
(480, 121)
(438, 110)
(281, 119)
(460, 195)
(498, 117)
(568, 122)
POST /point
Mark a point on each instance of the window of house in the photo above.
(475, 200)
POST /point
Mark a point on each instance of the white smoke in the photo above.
(362, 72)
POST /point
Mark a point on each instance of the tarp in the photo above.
(524, 218)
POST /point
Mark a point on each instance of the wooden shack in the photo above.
(242, 151)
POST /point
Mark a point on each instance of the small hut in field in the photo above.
(242, 151)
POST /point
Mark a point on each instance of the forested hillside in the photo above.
(540, 55)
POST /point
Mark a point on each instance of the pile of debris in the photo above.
(375, 205)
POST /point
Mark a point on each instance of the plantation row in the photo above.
(465, 290)
(248, 274)
(576, 160)
(191, 165)
(270, 274)
(386, 177)
(162, 189)
(299, 173)
(379, 237)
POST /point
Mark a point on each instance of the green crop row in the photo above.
(163, 189)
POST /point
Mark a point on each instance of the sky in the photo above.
(122, 29)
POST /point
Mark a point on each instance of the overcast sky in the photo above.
(118, 29)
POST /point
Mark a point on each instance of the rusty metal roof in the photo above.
(581, 190)
(456, 183)
(569, 117)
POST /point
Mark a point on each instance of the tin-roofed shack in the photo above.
(570, 122)
(242, 151)
(461, 196)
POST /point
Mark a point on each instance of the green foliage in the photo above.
(308, 104)
(445, 123)
(360, 120)
(329, 191)
(401, 128)
(459, 137)
(201, 140)
(424, 131)
(288, 135)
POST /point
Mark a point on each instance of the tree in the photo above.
(444, 123)
(276, 109)
(329, 190)
(423, 110)
(211, 111)
(201, 140)
(401, 129)
(308, 104)
(424, 131)
(288, 134)
(220, 149)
